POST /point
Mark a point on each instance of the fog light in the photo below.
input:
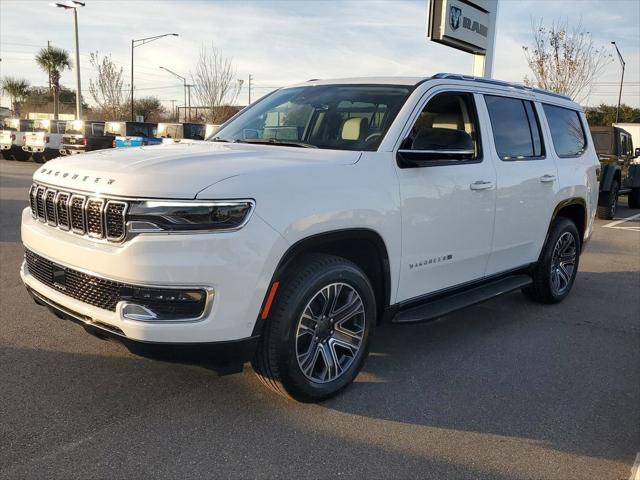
(164, 304)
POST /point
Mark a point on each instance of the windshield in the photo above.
(114, 128)
(341, 117)
(170, 130)
(75, 127)
(602, 142)
(41, 126)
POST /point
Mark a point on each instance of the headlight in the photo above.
(179, 216)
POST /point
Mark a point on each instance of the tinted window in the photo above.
(602, 141)
(98, 129)
(447, 123)
(516, 130)
(566, 131)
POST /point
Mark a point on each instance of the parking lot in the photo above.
(505, 390)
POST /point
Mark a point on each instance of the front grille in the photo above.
(83, 215)
(106, 294)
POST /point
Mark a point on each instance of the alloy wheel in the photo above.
(563, 263)
(330, 332)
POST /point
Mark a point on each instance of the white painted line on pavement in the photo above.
(618, 222)
(635, 470)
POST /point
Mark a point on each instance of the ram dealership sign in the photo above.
(462, 24)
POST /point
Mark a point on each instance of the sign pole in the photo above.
(483, 64)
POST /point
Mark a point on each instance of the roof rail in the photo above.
(502, 83)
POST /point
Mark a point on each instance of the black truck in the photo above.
(84, 136)
(618, 174)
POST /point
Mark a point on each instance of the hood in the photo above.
(178, 170)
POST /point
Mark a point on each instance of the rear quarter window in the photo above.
(567, 131)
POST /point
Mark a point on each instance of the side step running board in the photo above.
(443, 305)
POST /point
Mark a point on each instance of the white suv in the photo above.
(314, 214)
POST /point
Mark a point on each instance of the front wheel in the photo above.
(556, 270)
(317, 336)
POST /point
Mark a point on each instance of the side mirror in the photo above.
(432, 146)
(636, 153)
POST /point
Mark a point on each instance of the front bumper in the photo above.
(234, 353)
(236, 266)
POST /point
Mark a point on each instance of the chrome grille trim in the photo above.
(115, 227)
(40, 204)
(62, 210)
(50, 207)
(91, 216)
(94, 220)
(78, 218)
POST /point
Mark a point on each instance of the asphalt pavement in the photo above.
(505, 390)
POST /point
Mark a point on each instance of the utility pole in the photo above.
(621, 81)
(189, 94)
(250, 78)
(173, 108)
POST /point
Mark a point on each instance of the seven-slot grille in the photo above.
(83, 215)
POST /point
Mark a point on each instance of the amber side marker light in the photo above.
(270, 297)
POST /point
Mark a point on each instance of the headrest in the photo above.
(447, 120)
(442, 138)
(353, 128)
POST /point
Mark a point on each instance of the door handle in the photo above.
(548, 178)
(481, 185)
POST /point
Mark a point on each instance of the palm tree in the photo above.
(54, 61)
(17, 89)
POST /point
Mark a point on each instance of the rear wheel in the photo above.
(317, 335)
(554, 274)
(39, 157)
(607, 210)
(634, 198)
(21, 155)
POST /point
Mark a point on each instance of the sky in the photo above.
(285, 42)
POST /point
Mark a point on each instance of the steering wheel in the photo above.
(371, 137)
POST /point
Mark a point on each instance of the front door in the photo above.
(447, 188)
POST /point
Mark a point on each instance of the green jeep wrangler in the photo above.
(618, 175)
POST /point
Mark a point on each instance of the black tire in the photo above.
(608, 204)
(543, 290)
(276, 362)
(21, 155)
(38, 157)
(634, 198)
(6, 155)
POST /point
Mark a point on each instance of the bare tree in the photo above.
(563, 60)
(107, 88)
(215, 84)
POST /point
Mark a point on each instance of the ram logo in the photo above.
(455, 14)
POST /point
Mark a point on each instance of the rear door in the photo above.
(527, 181)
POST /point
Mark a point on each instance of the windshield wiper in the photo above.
(275, 141)
(218, 139)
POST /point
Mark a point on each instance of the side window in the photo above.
(445, 131)
(516, 129)
(567, 132)
(98, 129)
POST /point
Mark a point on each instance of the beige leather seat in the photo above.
(354, 128)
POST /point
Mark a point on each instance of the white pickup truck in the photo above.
(313, 215)
(12, 138)
(44, 139)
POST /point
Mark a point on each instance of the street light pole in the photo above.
(184, 82)
(621, 81)
(138, 43)
(74, 5)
